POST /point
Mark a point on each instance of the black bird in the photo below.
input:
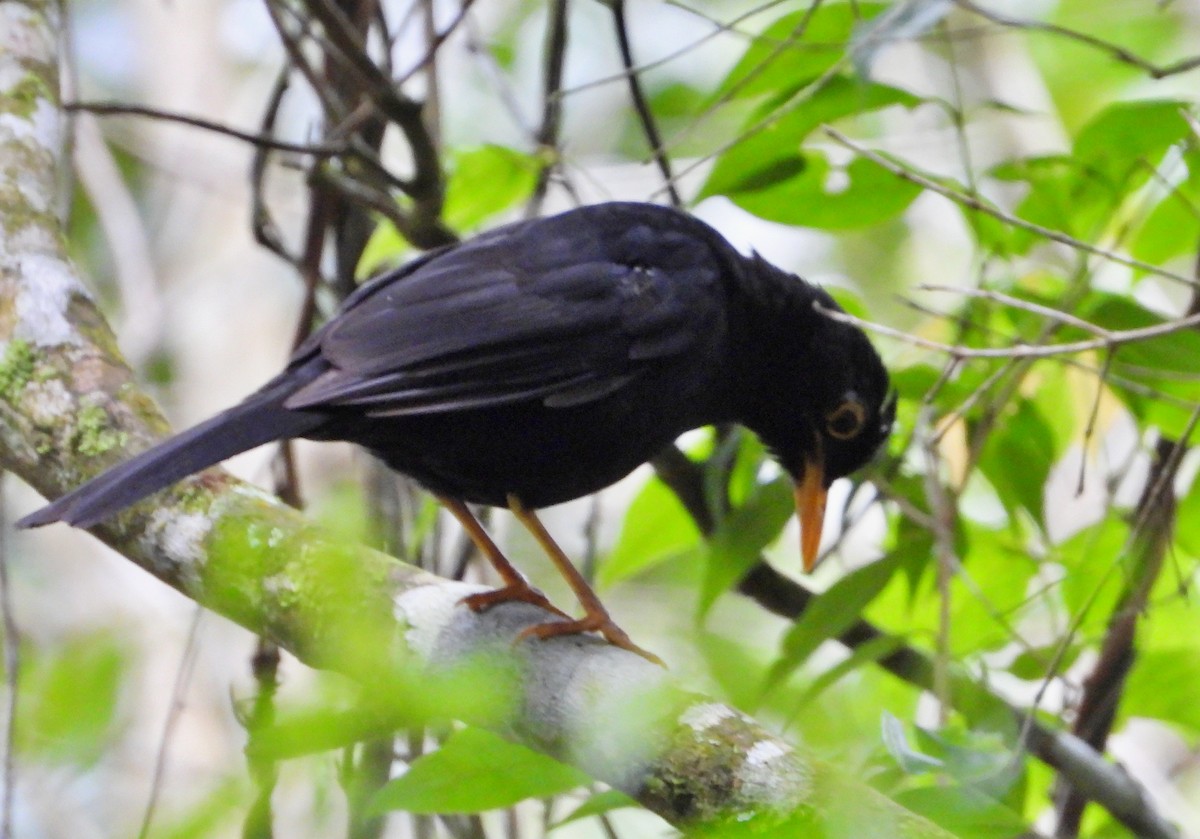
(543, 361)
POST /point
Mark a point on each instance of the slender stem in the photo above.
(645, 115)
(12, 675)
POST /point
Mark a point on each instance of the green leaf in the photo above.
(964, 811)
(656, 528)
(1018, 456)
(910, 759)
(772, 155)
(385, 249)
(1162, 686)
(1187, 522)
(795, 49)
(1169, 365)
(1092, 580)
(1173, 226)
(1058, 196)
(868, 653)
(741, 537)
(218, 807)
(479, 688)
(485, 181)
(903, 22)
(1114, 156)
(69, 701)
(474, 771)
(736, 667)
(830, 614)
(1125, 141)
(1035, 663)
(1081, 78)
(598, 805)
(843, 198)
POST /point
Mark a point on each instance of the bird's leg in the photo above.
(596, 617)
(516, 587)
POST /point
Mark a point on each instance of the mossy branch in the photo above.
(70, 408)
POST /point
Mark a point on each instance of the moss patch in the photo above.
(280, 577)
(21, 99)
(16, 369)
(94, 433)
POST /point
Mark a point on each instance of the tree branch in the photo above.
(69, 408)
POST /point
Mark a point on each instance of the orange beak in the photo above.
(810, 507)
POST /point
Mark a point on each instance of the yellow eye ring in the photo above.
(847, 420)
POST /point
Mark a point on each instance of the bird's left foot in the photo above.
(591, 622)
(520, 592)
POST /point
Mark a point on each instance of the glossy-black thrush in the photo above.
(545, 360)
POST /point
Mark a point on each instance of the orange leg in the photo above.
(596, 617)
(516, 587)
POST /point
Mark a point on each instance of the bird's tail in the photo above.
(260, 419)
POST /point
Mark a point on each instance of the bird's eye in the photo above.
(846, 421)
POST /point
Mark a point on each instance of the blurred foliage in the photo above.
(474, 770)
(1020, 474)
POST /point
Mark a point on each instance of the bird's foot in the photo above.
(591, 622)
(520, 592)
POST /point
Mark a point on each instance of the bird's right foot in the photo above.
(591, 622)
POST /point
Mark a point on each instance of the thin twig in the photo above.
(1093, 414)
(266, 233)
(1149, 543)
(1115, 51)
(182, 676)
(719, 28)
(259, 140)
(12, 674)
(1109, 339)
(1019, 303)
(942, 512)
(778, 113)
(641, 106)
(547, 135)
(908, 174)
(436, 42)
(292, 44)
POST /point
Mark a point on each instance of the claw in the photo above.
(592, 622)
(516, 593)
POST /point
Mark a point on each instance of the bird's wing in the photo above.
(563, 312)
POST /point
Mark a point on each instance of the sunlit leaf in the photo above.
(485, 181)
(1159, 378)
(860, 656)
(656, 528)
(909, 757)
(901, 22)
(1173, 226)
(830, 614)
(474, 771)
(796, 48)
(859, 194)
(736, 667)
(68, 702)
(597, 805)
(772, 155)
(1162, 686)
(964, 811)
(1094, 579)
(1018, 456)
(1114, 155)
(740, 538)
(1082, 78)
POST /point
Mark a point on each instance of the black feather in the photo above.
(546, 359)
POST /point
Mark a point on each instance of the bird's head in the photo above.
(842, 434)
(821, 400)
